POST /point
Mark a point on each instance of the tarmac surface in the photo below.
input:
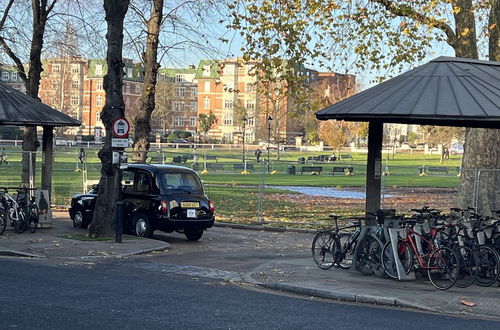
(299, 276)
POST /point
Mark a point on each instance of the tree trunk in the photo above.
(481, 153)
(143, 119)
(30, 141)
(109, 184)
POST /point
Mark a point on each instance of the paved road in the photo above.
(114, 295)
(233, 249)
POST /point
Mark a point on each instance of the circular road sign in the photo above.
(121, 127)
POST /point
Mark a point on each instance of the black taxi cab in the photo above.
(155, 197)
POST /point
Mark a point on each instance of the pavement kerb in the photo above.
(343, 296)
(264, 227)
(14, 253)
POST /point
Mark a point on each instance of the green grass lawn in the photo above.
(237, 195)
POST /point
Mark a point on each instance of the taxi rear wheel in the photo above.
(193, 235)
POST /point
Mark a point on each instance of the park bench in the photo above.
(438, 169)
(342, 169)
(186, 157)
(315, 169)
(178, 160)
(241, 167)
(342, 157)
(215, 166)
(301, 160)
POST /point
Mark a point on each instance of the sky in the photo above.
(202, 34)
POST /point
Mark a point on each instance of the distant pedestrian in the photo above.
(3, 157)
(82, 156)
(446, 153)
(258, 152)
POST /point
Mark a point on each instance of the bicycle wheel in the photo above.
(3, 221)
(388, 261)
(488, 266)
(345, 251)
(469, 262)
(21, 224)
(443, 268)
(368, 255)
(33, 218)
(322, 249)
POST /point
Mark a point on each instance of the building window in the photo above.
(75, 68)
(162, 76)
(194, 106)
(130, 73)
(97, 116)
(127, 102)
(99, 85)
(137, 88)
(228, 136)
(206, 71)
(56, 68)
(178, 106)
(229, 69)
(194, 91)
(75, 100)
(127, 88)
(5, 75)
(228, 104)
(178, 121)
(75, 84)
(192, 121)
(251, 121)
(98, 101)
(227, 119)
(98, 69)
(250, 104)
(179, 78)
(13, 76)
(206, 102)
(206, 86)
(180, 91)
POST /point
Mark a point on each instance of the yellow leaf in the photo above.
(492, 26)
(465, 32)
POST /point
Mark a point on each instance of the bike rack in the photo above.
(394, 234)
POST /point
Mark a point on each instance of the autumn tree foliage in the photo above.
(377, 35)
(337, 133)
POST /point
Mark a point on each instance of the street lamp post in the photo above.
(269, 119)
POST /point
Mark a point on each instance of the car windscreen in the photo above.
(180, 182)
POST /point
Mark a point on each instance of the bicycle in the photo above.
(30, 208)
(335, 248)
(13, 213)
(22, 211)
(441, 263)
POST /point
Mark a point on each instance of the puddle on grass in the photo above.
(324, 191)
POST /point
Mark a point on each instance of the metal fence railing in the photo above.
(289, 187)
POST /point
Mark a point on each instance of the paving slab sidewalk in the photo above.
(302, 276)
(57, 242)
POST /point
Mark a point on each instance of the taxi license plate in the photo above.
(191, 213)
(190, 204)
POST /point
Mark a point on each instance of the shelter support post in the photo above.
(47, 158)
(374, 166)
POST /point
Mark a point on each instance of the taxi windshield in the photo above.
(180, 182)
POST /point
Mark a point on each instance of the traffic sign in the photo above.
(121, 127)
(119, 143)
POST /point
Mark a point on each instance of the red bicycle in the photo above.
(440, 262)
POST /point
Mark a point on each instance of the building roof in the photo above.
(447, 91)
(20, 109)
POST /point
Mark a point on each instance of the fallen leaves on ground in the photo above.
(467, 303)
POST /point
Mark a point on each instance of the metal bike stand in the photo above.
(394, 234)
